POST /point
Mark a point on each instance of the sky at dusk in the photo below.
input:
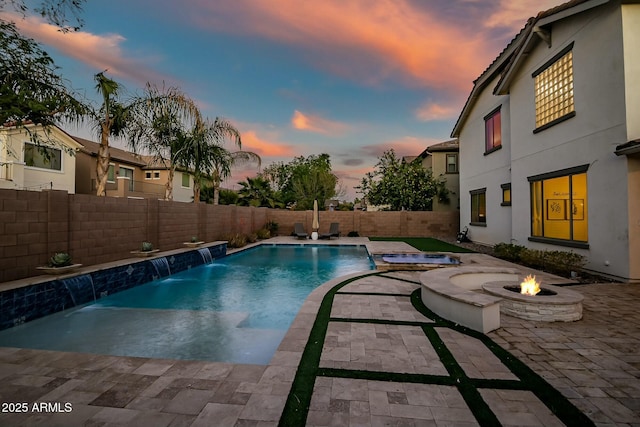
(351, 78)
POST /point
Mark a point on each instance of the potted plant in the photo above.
(194, 242)
(59, 263)
(146, 250)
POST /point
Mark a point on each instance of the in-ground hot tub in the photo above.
(414, 261)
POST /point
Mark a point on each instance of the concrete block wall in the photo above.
(94, 230)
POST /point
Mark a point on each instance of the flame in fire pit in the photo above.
(529, 286)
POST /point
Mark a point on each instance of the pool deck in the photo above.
(375, 360)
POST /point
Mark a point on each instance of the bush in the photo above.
(508, 251)
(263, 233)
(272, 226)
(236, 240)
(252, 237)
(60, 259)
(353, 234)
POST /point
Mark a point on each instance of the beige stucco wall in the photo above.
(490, 171)
(634, 217)
(439, 169)
(631, 46)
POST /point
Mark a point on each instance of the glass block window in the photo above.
(554, 90)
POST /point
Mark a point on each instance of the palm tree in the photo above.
(209, 158)
(111, 121)
(257, 192)
(159, 120)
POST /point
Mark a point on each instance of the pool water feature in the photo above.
(236, 309)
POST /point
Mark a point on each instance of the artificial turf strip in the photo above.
(552, 398)
(426, 244)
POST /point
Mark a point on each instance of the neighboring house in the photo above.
(130, 174)
(48, 164)
(549, 138)
(442, 159)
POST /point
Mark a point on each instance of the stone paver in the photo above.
(594, 363)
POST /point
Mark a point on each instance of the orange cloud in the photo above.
(314, 123)
(101, 52)
(363, 40)
(407, 146)
(432, 112)
(264, 148)
(514, 14)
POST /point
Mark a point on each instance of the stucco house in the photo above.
(442, 159)
(550, 138)
(49, 163)
(130, 174)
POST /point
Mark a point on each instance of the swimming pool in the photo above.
(236, 309)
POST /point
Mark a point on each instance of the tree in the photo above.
(257, 192)
(158, 123)
(302, 181)
(402, 185)
(111, 119)
(31, 90)
(208, 158)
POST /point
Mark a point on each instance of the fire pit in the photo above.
(527, 300)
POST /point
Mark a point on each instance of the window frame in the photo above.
(476, 194)
(120, 168)
(540, 127)
(569, 172)
(112, 167)
(185, 174)
(489, 120)
(36, 149)
(506, 188)
(446, 165)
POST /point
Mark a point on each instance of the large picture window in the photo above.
(493, 131)
(559, 205)
(479, 207)
(42, 157)
(554, 90)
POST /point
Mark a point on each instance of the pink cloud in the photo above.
(407, 146)
(363, 40)
(315, 123)
(514, 14)
(101, 52)
(265, 148)
(432, 112)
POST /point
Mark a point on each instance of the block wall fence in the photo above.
(94, 230)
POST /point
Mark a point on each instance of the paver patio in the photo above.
(378, 360)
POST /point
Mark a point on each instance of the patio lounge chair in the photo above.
(299, 232)
(334, 230)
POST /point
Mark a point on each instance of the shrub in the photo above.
(353, 234)
(508, 251)
(252, 237)
(263, 233)
(558, 262)
(272, 226)
(146, 247)
(236, 240)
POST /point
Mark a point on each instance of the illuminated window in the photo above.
(478, 207)
(506, 194)
(493, 131)
(42, 157)
(559, 205)
(452, 163)
(553, 84)
(185, 180)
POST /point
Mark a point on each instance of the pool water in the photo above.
(236, 309)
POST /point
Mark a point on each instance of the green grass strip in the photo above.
(296, 407)
(398, 377)
(559, 405)
(381, 321)
(427, 244)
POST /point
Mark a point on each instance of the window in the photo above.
(42, 157)
(506, 194)
(185, 180)
(452, 163)
(479, 207)
(156, 175)
(147, 175)
(126, 172)
(493, 131)
(553, 84)
(559, 207)
(111, 173)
